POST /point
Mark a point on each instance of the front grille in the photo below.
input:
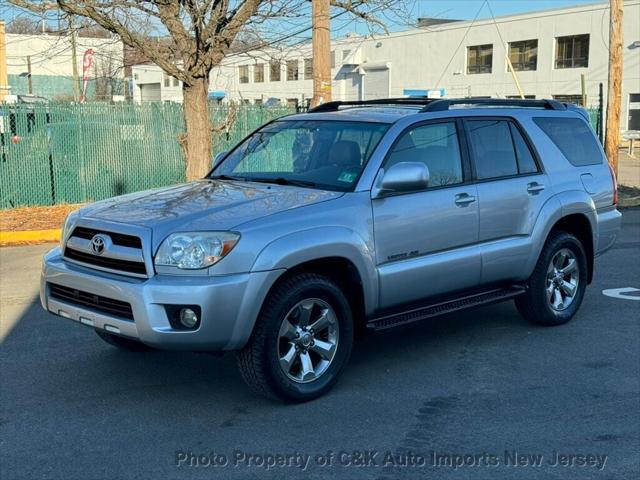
(126, 266)
(117, 238)
(98, 303)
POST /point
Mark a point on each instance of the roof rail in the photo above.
(406, 101)
(444, 104)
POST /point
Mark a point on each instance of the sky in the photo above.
(455, 9)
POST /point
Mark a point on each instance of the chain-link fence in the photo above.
(70, 153)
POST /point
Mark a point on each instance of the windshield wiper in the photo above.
(285, 181)
(227, 177)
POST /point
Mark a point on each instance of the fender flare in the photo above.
(290, 250)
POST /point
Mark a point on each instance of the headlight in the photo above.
(195, 250)
(67, 227)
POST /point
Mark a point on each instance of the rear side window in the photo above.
(574, 139)
(492, 148)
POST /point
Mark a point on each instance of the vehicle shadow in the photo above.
(68, 362)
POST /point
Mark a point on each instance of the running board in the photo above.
(442, 308)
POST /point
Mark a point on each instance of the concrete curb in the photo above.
(27, 237)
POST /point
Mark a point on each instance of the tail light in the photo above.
(615, 185)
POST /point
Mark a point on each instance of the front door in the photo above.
(634, 111)
(426, 241)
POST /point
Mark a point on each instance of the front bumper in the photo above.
(229, 304)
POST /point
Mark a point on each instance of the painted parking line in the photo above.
(622, 293)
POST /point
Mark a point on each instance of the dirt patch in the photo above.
(34, 218)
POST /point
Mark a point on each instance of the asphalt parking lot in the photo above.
(462, 396)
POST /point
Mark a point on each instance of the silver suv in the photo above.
(355, 216)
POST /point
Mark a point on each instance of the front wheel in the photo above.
(301, 341)
(556, 287)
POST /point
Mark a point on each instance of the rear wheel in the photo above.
(122, 343)
(557, 285)
(301, 340)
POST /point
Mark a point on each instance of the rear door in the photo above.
(426, 241)
(512, 188)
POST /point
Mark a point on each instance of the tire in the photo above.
(273, 361)
(123, 343)
(547, 300)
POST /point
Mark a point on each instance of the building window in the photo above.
(176, 82)
(243, 71)
(292, 70)
(526, 97)
(167, 79)
(572, 52)
(258, 73)
(524, 55)
(257, 102)
(575, 99)
(479, 59)
(345, 55)
(333, 59)
(274, 71)
(308, 69)
(292, 103)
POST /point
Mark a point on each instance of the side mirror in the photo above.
(219, 156)
(404, 177)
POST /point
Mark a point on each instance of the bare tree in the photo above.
(201, 33)
(24, 25)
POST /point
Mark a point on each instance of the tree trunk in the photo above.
(197, 143)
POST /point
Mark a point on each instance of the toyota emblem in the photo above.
(97, 244)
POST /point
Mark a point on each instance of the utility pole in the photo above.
(614, 95)
(320, 11)
(74, 59)
(29, 79)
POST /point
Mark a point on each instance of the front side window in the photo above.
(243, 73)
(479, 59)
(292, 70)
(258, 73)
(492, 148)
(572, 52)
(316, 154)
(436, 145)
(574, 139)
(524, 55)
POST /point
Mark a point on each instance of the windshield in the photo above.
(317, 154)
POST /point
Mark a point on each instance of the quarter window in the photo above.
(436, 145)
(526, 162)
(574, 139)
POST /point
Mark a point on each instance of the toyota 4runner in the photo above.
(354, 216)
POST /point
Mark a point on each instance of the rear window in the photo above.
(574, 139)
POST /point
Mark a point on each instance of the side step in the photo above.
(436, 309)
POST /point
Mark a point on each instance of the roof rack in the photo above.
(405, 101)
(444, 104)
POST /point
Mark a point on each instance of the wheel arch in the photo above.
(578, 224)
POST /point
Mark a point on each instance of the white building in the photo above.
(550, 51)
(50, 58)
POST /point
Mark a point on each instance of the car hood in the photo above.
(203, 205)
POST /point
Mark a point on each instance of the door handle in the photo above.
(463, 199)
(535, 187)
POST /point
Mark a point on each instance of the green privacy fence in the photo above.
(70, 153)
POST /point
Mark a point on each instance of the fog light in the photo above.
(188, 317)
